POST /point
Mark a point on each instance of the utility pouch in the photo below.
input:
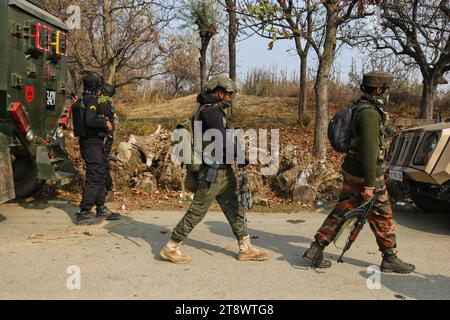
(102, 133)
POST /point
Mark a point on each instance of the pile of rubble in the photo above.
(143, 165)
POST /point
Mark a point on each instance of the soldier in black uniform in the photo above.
(95, 128)
(107, 109)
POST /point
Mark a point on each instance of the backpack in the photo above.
(78, 118)
(196, 155)
(340, 128)
(193, 168)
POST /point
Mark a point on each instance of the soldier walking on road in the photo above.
(363, 171)
(213, 102)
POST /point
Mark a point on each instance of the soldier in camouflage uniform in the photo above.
(213, 102)
(363, 172)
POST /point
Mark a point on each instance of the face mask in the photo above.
(384, 99)
(226, 104)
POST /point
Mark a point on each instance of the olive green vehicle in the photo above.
(34, 108)
(420, 158)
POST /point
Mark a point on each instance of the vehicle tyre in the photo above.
(26, 180)
(419, 194)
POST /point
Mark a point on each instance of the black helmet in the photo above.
(92, 81)
(108, 89)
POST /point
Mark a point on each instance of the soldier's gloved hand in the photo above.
(367, 194)
(108, 126)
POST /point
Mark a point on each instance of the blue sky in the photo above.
(253, 52)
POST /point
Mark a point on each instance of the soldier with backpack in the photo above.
(360, 132)
(214, 181)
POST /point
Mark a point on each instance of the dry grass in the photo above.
(246, 107)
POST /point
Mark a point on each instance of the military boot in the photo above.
(248, 252)
(392, 263)
(83, 215)
(104, 212)
(172, 253)
(314, 256)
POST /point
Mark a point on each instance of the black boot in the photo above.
(392, 263)
(83, 215)
(104, 212)
(314, 256)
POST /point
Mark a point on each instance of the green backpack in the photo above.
(193, 168)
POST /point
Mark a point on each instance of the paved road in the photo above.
(120, 259)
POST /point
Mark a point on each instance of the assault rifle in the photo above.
(359, 217)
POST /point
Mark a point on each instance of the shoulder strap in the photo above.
(196, 114)
(361, 105)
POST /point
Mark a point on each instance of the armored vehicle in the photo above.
(34, 108)
(420, 158)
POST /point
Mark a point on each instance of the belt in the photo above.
(222, 166)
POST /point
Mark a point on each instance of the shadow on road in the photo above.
(67, 208)
(411, 217)
(416, 285)
(2, 218)
(157, 235)
(284, 245)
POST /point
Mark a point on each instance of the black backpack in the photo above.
(340, 127)
(78, 118)
(340, 130)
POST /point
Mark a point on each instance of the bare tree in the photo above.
(217, 62)
(283, 19)
(205, 15)
(123, 39)
(330, 16)
(232, 36)
(418, 31)
(181, 65)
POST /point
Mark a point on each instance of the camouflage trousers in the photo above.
(380, 218)
(224, 190)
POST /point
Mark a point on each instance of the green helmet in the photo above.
(222, 82)
(378, 79)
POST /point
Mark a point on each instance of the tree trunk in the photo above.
(321, 86)
(232, 34)
(75, 83)
(111, 68)
(303, 85)
(203, 52)
(321, 123)
(428, 97)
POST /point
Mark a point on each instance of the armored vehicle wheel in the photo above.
(26, 181)
(422, 195)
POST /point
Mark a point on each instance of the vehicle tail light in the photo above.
(20, 117)
(42, 37)
(64, 121)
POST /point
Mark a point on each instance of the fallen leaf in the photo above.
(87, 233)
